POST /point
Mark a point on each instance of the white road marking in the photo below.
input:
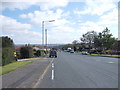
(52, 74)
(52, 65)
(110, 62)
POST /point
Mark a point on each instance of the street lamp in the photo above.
(46, 38)
(43, 26)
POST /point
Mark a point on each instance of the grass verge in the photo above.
(13, 66)
(116, 56)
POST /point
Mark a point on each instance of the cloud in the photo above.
(109, 18)
(37, 17)
(25, 4)
(9, 24)
(63, 30)
(62, 34)
(21, 33)
(61, 26)
(97, 7)
(90, 26)
(15, 5)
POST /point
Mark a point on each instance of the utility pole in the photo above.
(42, 33)
(46, 38)
(43, 26)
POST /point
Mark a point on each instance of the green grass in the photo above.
(79, 52)
(13, 66)
(106, 55)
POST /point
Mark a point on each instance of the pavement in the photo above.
(27, 76)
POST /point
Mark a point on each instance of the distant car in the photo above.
(84, 53)
(68, 50)
(53, 53)
(71, 51)
(65, 50)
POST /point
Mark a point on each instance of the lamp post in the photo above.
(42, 33)
(46, 38)
(43, 26)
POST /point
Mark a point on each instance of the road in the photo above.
(81, 71)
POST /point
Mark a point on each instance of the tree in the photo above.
(98, 41)
(107, 39)
(88, 38)
(116, 45)
(7, 42)
(75, 42)
(7, 50)
(104, 40)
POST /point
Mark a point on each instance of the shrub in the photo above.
(18, 55)
(37, 53)
(92, 51)
(26, 52)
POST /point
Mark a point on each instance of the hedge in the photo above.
(7, 55)
(26, 52)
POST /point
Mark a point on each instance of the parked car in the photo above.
(53, 53)
(84, 53)
(71, 51)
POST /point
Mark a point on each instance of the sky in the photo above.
(22, 20)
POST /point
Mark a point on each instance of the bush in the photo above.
(118, 52)
(26, 52)
(108, 51)
(18, 55)
(95, 51)
(92, 51)
(38, 53)
(47, 52)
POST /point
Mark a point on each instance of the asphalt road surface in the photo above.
(80, 71)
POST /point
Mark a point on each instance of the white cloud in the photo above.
(9, 24)
(60, 31)
(97, 7)
(37, 17)
(109, 18)
(62, 34)
(90, 26)
(25, 4)
(15, 5)
(20, 32)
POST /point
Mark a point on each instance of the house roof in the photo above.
(17, 48)
(38, 47)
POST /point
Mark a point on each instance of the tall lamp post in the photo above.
(43, 26)
(46, 38)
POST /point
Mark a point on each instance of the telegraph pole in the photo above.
(46, 38)
(43, 26)
(43, 33)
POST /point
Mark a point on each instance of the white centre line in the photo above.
(52, 74)
(52, 65)
(110, 62)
